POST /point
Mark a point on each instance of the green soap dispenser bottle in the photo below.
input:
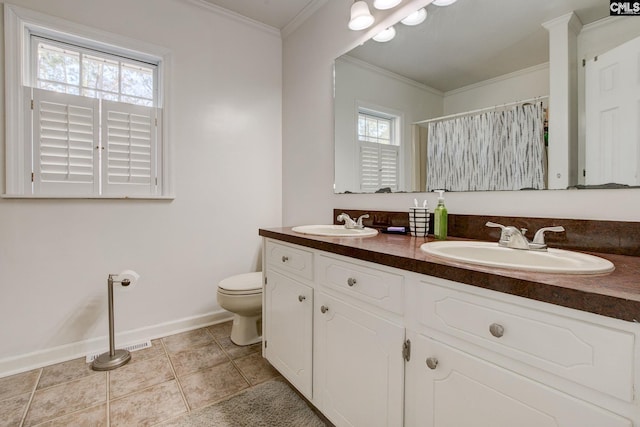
(440, 218)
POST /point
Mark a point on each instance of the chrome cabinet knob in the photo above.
(432, 362)
(351, 281)
(285, 258)
(496, 330)
(324, 309)
(301, 298)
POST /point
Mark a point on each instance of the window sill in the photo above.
(18, 196)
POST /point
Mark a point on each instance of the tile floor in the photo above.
(177, 374)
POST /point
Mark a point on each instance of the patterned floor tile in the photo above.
(12, 410)
(212, 384)
(256, 369)
(139, 374)
(63, 399)
(95, 416)
(65, 372)
(192, 360)
(18, 384)
(234, 351)
(187, 340)
(151, 406)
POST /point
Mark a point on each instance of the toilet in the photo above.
(242, 296)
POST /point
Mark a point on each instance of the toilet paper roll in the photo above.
(128, 274)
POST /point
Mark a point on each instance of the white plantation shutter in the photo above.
(369, 170)
(131, 151)
(389, 158)
(378, 166)
(65, 134)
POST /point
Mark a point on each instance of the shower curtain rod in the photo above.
(480, 110)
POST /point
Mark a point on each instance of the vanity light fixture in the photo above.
(416, 17)
(443, 2)
(385, 35)
(386, 4)
(361, 17)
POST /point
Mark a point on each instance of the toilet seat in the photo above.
(242, 284)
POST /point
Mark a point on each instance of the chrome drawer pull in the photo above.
(432, 362)
(301, 298)
(285, 258)
(351, 281)
(324, 309)
(496, 330)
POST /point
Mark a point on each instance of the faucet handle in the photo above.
(360, 218)
(348, 222)
(504, 233)
(343, 217)
(494, 224)
(539, 236)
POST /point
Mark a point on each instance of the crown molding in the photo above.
(233, 15)
(302, 16)
(390, 74)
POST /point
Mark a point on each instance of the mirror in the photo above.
(472, 59)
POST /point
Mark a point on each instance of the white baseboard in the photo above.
(38, 359)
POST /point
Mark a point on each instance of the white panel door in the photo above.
(612, 102)
(446, 387)
(288, 329)
(358, 364)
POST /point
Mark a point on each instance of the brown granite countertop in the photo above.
(615, 294)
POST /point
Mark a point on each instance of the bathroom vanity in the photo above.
(375, 332)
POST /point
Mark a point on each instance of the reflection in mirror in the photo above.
(438, 106)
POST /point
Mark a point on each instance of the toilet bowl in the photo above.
(242, 296)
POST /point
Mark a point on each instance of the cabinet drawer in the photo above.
(362, 281)
(290, 259)
(448, 387)
(587, 353)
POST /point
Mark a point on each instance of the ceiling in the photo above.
(507, 36)
(275, 13)
(474, 40)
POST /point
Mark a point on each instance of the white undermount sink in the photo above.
(492, 255)
(334, 231)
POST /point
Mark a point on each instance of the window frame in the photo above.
(84, 51)
(20, 23)
(396, 139)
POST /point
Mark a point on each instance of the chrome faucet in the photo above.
(349, 223)
(512, 237)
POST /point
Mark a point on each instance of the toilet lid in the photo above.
(242, 283)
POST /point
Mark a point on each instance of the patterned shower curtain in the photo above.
(495, 150)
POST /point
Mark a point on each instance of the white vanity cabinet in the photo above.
(337, 328)
(447, 387)
(288, 313)
(482, 358)
(358, 363)
(334, 329)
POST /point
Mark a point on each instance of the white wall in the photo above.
(308, 53)
(225, 134)
(360, 83)
(524, 84)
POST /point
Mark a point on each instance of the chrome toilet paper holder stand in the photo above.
(113, 358)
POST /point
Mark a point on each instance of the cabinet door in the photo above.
(289, 329)
(358, 365)
(446, 387)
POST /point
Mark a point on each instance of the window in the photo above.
(66, 68)
(379, 150)
(88, 121)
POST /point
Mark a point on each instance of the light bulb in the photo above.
(385, 35)
(385, 4)
(361, 18)
(416, 17)
(443, 2)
